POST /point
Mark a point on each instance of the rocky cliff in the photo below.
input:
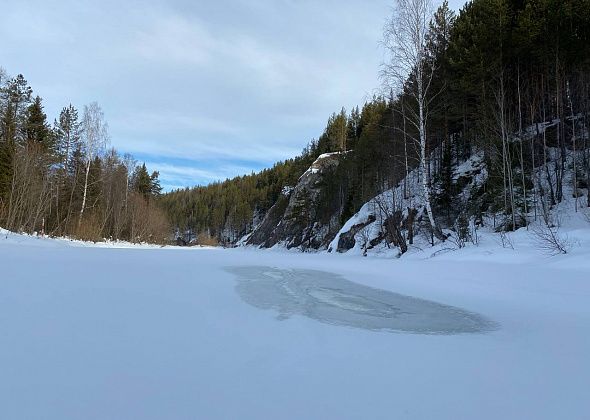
(390, 221)
(292, 221)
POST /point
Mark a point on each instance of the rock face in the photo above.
(346, 240)
(292, 220)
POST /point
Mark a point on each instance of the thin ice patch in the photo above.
(331, 299)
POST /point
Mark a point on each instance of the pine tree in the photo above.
(142, 182)
(67, 133)
(15, 96)
(353, 128)
(155, 187)
(36, 127)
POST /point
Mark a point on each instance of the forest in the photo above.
(62, 179)
(507, 78)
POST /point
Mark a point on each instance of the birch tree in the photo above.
(411, 68)
(94, 139)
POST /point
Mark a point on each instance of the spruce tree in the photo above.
(155, 187)
(67, 133)
(142, 182)
(36, 127)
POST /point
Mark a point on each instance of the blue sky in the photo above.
(200, 90)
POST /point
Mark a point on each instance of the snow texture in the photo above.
(317, 164)
(121, 332)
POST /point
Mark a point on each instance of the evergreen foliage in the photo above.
(511, 78)
(43, 177)
(500, 66)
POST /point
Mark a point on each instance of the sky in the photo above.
(200, 90)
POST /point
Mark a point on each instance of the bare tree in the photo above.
(411, 67)
(521, 154)
(575, 157)
(94, 139)
(30, 192)
(3, 76)
(549, 240)
(507, 170)
(148, 222)
(392, 220)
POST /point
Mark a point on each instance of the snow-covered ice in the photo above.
(104, 333)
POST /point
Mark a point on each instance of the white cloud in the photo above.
(221, 80)
(172, 38)
(177, 176)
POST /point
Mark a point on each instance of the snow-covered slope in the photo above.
(155, 334)
(366, 231)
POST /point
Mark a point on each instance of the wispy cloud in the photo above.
(174, 176)
(214, 83)
(173, 38)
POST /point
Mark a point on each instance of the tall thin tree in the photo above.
(94, 139)
(409, 65)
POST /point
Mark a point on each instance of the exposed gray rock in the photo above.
(292, 220)
(347, 241)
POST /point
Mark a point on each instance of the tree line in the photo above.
(62, 179)
(506, 78)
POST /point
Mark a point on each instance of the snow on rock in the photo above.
(291, 221)
(287, 190)
(323, 160)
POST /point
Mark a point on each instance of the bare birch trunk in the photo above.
(82, 208)
(424, 158)
(569, 97)
(526, 210)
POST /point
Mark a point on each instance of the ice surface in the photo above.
(161, 334)
(331, 299)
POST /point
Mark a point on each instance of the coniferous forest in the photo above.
(506, 78)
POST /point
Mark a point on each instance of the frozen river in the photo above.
(174, 334)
